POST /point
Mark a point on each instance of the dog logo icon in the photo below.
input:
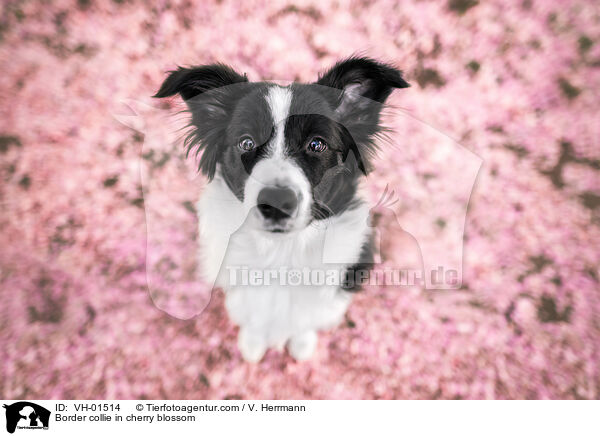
(26, 415)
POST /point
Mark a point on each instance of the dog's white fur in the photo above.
(275, 315)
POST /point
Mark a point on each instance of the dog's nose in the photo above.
(277, 203)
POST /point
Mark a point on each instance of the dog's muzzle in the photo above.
(277, 204)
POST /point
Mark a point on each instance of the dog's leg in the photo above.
(251, 345)
(302, 346)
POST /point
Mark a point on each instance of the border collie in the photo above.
(284, 165)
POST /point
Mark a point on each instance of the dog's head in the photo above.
(290, 154)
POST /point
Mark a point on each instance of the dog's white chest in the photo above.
(276, 286)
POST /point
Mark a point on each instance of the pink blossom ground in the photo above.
(515, 83)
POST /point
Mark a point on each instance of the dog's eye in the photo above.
(246, 143)
(317, 145)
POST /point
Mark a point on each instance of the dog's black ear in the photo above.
(190, 82)
(210, 92)
(358, 89)
(365, 84)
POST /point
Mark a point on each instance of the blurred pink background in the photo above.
(515, 83)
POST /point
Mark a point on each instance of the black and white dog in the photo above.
(284, 164)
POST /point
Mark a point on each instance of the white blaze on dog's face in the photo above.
(291, 155)
(277, 192)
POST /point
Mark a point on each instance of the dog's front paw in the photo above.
(302, 346)
(252, 346)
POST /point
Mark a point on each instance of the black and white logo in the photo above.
(26, 415)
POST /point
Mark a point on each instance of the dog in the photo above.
(284, 165)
